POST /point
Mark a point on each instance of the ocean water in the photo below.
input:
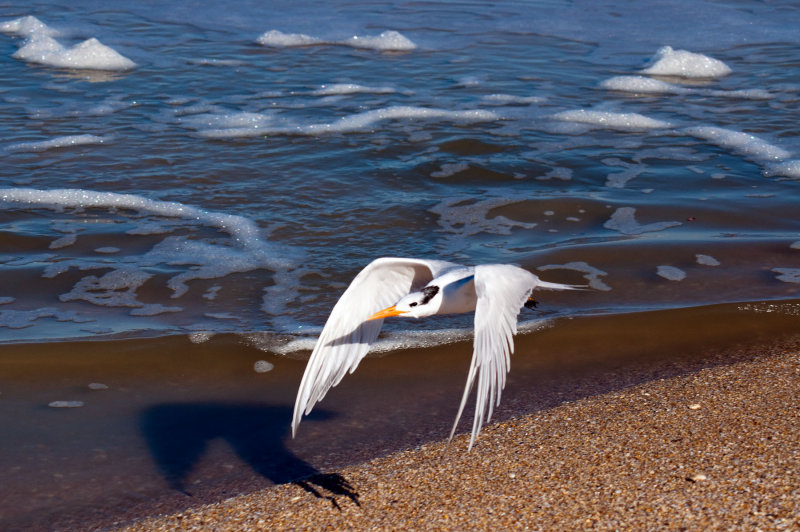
(209, 178)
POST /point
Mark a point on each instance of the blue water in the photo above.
(223, 186)
(215, 121)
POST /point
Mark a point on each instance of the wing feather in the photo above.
(502, 290)
(347, 335)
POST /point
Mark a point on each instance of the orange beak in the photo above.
(386, 313)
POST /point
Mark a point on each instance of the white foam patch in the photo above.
(65, 404)
(611, 120)
(706, 260)
(561, 173)
(620, 179)
(279, 39)
(64, 241)
(645, 85)
(795, 245)
(67, 141)
(685, 64)
(26, 26)
(388, 342)
(245, 251)
(624, 221)
(116, 288)
(153, 309)
(221, 316)
(592, 274)
(211, 293)
(788, 275)
(671, 273)
(739, 142)
(262, 366)
(462, 218)
(239, 125)
(450, 169)
(388, 41)
(22, 319)
(642, 85)
(509, 99)
(42, 48)
(338, 89)
(200, 337)
(790, 169)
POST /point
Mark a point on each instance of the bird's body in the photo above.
(418, 288)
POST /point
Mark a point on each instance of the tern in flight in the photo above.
(417, 288)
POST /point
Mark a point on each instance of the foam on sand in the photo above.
(706, 260)
(41, 47)
(592, 274)
(739, 142)
(788, 275)
(685, 64)
(66, 141)
(624, 221)
(671, 273)
(388, 342)
(611, 120)
(388, 41)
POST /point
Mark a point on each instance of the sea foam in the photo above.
(592, 274)
(624, 221)
(685, 64)
(789, 169)
(41, 47)
(739, 142)
(245, 251)
(338, 89)
(671, 273)
(788, 275)
(645, 85)
(65, 141)
(254, 124)
(611, 120)
(388, 41)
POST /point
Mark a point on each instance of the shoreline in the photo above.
(712, 446)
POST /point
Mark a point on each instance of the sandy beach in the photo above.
(716, 446)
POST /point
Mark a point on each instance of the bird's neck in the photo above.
(459, 297)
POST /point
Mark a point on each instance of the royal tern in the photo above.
(417, 288)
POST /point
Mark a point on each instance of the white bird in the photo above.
(417, 288)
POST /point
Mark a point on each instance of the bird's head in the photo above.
(420, 304)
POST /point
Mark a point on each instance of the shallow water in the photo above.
(231, 183)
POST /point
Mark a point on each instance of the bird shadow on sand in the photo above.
(179, 433)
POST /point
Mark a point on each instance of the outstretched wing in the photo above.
(502, 290)
(347, 335)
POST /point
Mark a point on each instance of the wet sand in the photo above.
(715, 445)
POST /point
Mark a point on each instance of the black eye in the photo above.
(414, 304)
